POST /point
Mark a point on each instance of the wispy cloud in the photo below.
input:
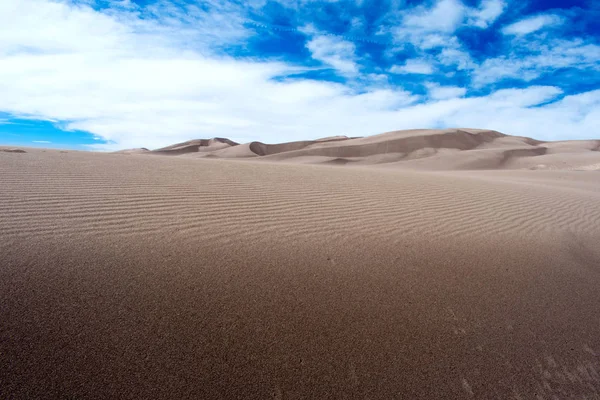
(434, 26)
(532, 24)
(443, 16)
(532, 58)
(413, 67)
(40, 141)
(428, 27)
(486, 13)
(438, 92)
(335, 52)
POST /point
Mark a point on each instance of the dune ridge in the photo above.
(430, 149)
(195, 146)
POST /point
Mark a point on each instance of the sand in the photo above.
(428, 149)
(134, 276)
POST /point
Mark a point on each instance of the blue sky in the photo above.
(106, 75)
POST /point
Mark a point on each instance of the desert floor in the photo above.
(147, 277)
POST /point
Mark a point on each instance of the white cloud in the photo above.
(532, 24)
(529, 97)
(429, 41)
(444, 16)
(487, 13)
(456, 57)
(335, 52)
(40, 141)
(531, 59)
(428, 28)
(438, 92)
(414, 66)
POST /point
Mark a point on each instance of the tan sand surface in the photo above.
(429, 149)
(140, 277)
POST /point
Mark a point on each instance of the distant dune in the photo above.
(13, 150)
(458, 264)
(196, 146)
(140, 150)
(450, 149)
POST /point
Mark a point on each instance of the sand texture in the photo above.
(133, 276)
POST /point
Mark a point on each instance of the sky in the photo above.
(114, 74)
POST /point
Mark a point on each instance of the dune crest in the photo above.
(195, 146)
(430, 149)
(138, 150)
(14, 150)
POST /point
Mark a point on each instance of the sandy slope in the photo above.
(139, 150)
(431, 149)
(169, 277)
(196, 146)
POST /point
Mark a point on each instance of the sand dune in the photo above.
(9, 150)
(256, 149)
(173, 277)
(195, 146)
(139, 150)
(449, 149)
